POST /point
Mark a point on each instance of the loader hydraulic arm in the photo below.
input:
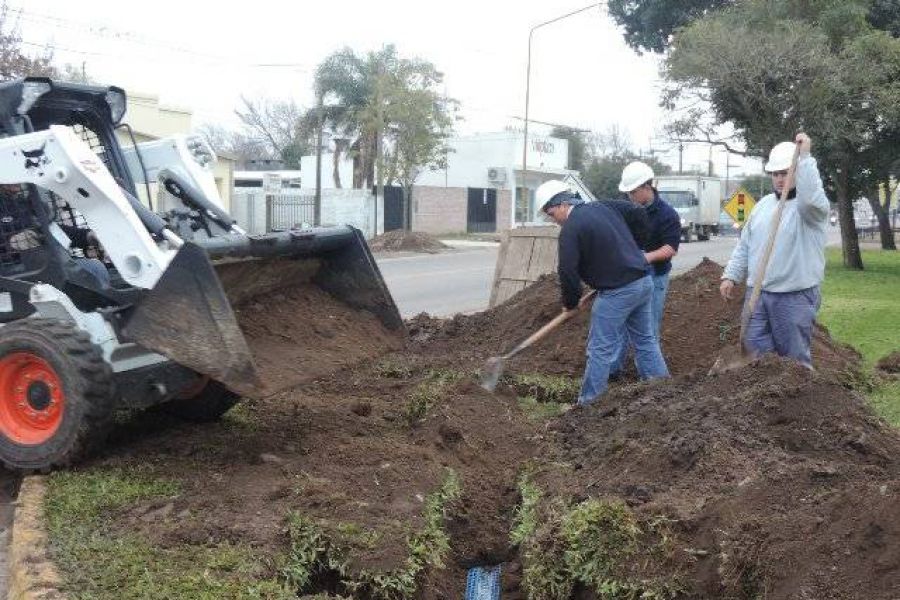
(57, 160)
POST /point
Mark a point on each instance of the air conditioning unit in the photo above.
(497, 175)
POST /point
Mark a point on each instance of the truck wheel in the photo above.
(203, 405)
(56, 394)
(703, 236)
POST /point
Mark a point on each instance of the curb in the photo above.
(32, 575)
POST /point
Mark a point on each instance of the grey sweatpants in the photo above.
(782, 323)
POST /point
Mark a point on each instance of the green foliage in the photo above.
(649, 24)
(603, 174)
(393, 367)
(578, 146)
(546, 388)
(315, 554)
(427, 394)
(525, 520)
(594, 544)
(540, 411)
(599, 536)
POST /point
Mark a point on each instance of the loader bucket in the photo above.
(270, 312)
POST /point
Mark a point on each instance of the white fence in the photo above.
(257, 212)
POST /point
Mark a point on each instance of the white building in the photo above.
(479, 191)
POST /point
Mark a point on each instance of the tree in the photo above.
(758, 185)
(578, 146)
(14, 62)
(389, 111)
(771, 69)
(603, 174)
(649, 24)
(275, 129)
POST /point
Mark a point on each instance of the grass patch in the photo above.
(427, 394)
(100, 565)
(598, 545)
(860, 309)
(319, 559)
(393, 367)
(540, 411)
(546, 388)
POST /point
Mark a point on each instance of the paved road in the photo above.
(460, 281)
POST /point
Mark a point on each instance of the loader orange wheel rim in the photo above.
(32, 402)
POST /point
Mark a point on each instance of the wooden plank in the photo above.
(518, 258)
(508, 289)
(543, 258)
(498, 268)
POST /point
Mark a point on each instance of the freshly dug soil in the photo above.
(302, 333)
(779, 482)
(890, 364)
(409, 241)
(696, 325)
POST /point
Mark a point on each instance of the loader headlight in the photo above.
(116, 100)
(200, 151)
(31, 92)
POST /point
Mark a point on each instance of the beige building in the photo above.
(151, 120)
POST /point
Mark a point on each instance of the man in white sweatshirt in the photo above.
(783, 319)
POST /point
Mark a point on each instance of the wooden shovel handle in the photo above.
(550, 326)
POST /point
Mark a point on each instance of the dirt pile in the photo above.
(302, 333)
(777, 482)
(890, 364)
(408, 241)
(696, 325)
(771, 482)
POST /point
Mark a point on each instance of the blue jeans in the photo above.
(615, 312)
(658, 304)
(783, 323)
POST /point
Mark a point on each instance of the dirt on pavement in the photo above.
(406, 241)
(777, 482)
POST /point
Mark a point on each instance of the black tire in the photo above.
(208, 405)
(56, 394)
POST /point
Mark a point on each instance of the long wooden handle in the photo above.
(750, 306)
(543, 331)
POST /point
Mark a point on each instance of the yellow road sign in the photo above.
(740, 205)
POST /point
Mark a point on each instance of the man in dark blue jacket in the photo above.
(597, 247)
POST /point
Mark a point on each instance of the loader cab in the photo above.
(92, 112)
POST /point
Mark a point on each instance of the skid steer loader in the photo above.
(105, 303)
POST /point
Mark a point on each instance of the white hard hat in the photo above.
(547, 190)
(780, 157)
(634, 175)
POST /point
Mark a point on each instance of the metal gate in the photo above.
(290, 211)
(393, 208)
(482, 210)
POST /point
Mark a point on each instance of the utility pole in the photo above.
(524, 188)
(317, 206)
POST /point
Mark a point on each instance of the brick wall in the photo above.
(439, 210)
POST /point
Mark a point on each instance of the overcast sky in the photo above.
(204, 58)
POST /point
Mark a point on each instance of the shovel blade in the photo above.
(490, 374)
(731, 358)
(187, 318)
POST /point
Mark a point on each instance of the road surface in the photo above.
(460, 281)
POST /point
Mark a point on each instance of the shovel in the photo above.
(493, 368)
(736, 357)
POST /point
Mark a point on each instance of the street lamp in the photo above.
(528, 85)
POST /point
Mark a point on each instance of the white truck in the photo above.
(698, 201)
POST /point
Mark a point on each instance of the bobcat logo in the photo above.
(36, 159)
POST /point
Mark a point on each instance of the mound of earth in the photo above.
(696, 325)
(890, 364)
(409, 241)
(777, 482)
